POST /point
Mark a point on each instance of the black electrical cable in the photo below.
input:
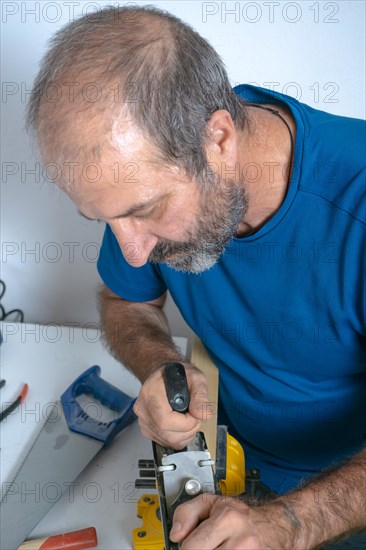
(6, 315)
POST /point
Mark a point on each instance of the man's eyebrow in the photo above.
(139, 206)
(133, 209)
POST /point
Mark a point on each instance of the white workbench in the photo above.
(49, 358)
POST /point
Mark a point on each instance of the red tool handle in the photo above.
(76, 540)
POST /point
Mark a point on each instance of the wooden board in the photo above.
(201, 359)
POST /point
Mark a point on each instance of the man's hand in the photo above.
(228, 523)
(157, 419)
(326, 509)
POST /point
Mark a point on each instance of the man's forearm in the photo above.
(329, 507)
(137, 334)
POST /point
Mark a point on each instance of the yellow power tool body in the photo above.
(156, 510)
(183, 475)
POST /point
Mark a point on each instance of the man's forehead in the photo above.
(126, 138)
(92, 157)
(121, 188)
(101, 166)
(71, 132)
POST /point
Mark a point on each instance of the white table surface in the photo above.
(49, 358)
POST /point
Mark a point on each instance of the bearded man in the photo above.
(250, 208)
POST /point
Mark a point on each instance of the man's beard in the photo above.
(222, 208)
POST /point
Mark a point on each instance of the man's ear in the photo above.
(221, 139)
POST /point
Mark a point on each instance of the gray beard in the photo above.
(222, 208)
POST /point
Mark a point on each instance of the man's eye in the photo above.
(93, 220)
(142, 216)
(146, 215)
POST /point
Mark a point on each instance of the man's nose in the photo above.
(135, 242)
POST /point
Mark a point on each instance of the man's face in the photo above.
(156, 213)
(220, 209)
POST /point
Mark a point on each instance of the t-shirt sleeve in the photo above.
(137, 284)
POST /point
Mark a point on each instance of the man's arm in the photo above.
(326, 509)
(137, 334)
(330, 506)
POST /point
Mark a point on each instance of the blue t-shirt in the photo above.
(283, 312)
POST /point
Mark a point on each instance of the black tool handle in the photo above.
(176, 387)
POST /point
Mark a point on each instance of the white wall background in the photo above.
(312, 50)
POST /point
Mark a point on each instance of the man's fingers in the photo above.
(200, 407)
(188, 515)
(161, 417)
(157, 419)
(152, 407)
(207, 522)
(177, 440)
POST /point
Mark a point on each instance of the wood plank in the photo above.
(202, 360)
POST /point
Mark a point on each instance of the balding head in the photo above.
(129, 66)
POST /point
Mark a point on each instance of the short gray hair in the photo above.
(170, 79)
